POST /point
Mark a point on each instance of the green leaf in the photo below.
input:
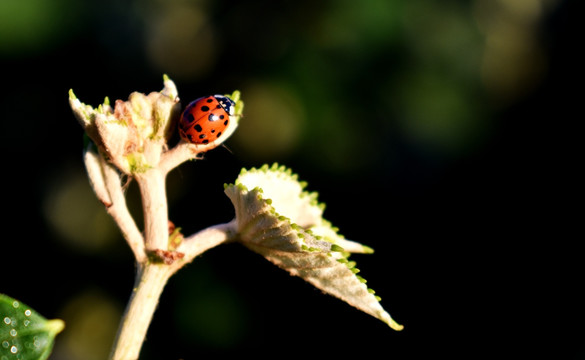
(24, 334)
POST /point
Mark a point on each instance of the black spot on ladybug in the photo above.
(205, 141)
(190, 137)
(198, 128)
(209, 100)
(226, 122)
(202, 136)
(221, 117)
(218, 106)
(212, 131)
(205, 108)
(188, 117)
(219, 134)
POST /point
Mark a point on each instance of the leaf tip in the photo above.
(385, 317)
(55, 326)
(395, 326)
(367, 249)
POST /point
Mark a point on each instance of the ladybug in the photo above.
(205, 119)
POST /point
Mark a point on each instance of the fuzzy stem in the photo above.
(154, 205)
(106, 183)
(150, 278)
(204, 240)
(150, 281)
(176, 156)
(119, 212)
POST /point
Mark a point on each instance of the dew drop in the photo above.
(26, 322)
(14, 349)
(16, 304)
(27, 312)
(5, 344)
(13, 332)
(7, 320)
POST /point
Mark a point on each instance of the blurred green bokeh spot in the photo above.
(33, 25)
(209, 313)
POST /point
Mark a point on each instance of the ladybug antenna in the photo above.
(227, 148)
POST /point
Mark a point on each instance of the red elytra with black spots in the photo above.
(205, 119)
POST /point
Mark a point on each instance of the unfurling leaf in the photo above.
(24, 334)
(132, 134)
(278, 219)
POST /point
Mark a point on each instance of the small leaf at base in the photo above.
(24, 334)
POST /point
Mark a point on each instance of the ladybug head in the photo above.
(226, 103)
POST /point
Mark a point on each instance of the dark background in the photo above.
(442, 134)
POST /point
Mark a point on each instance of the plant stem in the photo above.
(118, 210)
(154, 206)
(151, 278)
(150, 281)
